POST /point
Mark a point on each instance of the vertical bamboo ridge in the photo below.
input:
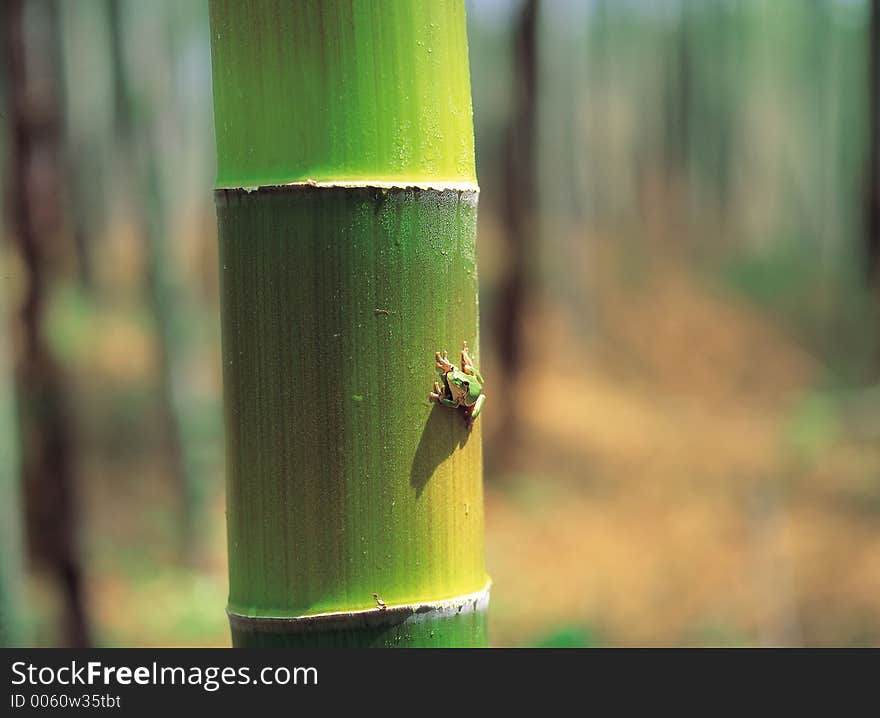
(346, 207)
(334, 90)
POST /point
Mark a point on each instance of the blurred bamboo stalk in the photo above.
(137, 134)
(516, 289)
(35, 189)
(677, 97)
(80, 157)
(13, 631)
(872, 181)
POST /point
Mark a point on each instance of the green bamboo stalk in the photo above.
(346, 207)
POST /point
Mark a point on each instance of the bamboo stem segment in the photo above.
(371, 90)
(348, 259)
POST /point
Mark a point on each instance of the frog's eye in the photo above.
(465, 385)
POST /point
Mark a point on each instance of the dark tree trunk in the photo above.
(34, 203)
(519, 209)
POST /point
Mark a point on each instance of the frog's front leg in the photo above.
(467, 364)
(442, 362)
(438, 395)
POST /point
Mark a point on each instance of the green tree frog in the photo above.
(460, 387)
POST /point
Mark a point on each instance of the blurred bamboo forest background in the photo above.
(679, 232)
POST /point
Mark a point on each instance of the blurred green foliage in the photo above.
(568, 637)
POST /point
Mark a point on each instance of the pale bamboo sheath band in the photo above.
(364, 184)
(368, 618)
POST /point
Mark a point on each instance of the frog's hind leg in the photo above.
(476, 409)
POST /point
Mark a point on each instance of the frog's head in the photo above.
(465, 388)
